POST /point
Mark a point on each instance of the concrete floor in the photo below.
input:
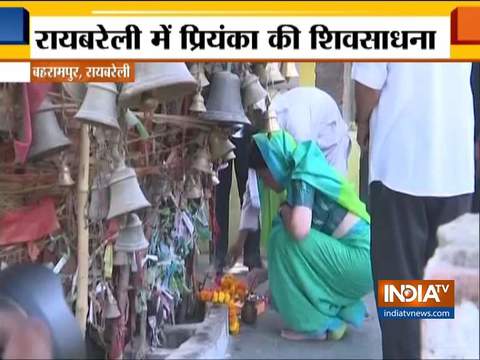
(263, 341)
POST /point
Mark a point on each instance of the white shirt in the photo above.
(307, 113)
(421, 132)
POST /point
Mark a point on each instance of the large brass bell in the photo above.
(272, 74)
(289, 70)
(111, 310)
(131, 237)
(224, 102)
(202, 162)
(198, 72)
(99, 107)
(125, 192)
(198, 104)
(47, 137)
(252, 90)
(160, 81)
(193, 189)
(219, 147)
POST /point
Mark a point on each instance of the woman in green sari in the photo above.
(319, 244)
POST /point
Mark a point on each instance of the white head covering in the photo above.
(308, 113)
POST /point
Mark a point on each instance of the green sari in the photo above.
(317, 283)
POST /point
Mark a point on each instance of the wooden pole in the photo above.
(81, 308)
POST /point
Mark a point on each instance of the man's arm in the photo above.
(366, 99)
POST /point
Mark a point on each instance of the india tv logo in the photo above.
(416, 299)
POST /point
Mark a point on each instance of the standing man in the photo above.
(415, 120)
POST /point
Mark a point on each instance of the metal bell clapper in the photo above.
(131, 237)
(162, 81)
(125, 192)
(99, 107)
(47, 137)
(224, 103)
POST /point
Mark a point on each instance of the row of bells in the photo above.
(228, 97)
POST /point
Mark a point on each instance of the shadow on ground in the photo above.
(263, 341)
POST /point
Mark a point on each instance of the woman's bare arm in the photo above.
(297, 220)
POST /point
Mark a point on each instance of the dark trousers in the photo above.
(403, 238)
(251, 250)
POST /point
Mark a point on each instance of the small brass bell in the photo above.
(289, 70)
(198, 104)
(193, 190)
(47, 137)
(219, 147)
(198, 72)
(125, 192)
(64, 176)
(272, 74)
(252, 90)
(131, 237)
(202, 162)
(111, 308)
(230, 156)
(99, 107)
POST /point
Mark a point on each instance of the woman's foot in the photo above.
(302, 336)
(339, 333)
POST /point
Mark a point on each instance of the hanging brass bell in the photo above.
(224, 102)
(111, 310)
(161, 81)
(131, 237)
(125, 192)
(198, 104)
(229, 156)
(193, 189)
(272, 75)
(198, 72)
(64, 176)
(252, 90)
(47, 137)
(202, 161)
(219, 146)
(289, 70)
(99, 107)
(76, 91)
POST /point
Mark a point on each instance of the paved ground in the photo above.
(263, 342)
